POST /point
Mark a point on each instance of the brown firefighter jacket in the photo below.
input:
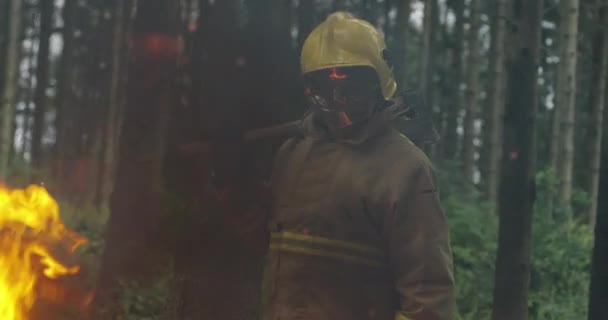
(357, 231)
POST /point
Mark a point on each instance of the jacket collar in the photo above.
(356, 134)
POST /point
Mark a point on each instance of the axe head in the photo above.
(414, 118)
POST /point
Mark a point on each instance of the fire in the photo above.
(32, 235)
(336, 76)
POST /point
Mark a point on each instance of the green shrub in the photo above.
(473, 235)
(561, 256)
(147, 303)
(561, 250)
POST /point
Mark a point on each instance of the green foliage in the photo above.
(138, 302)
(561, 250)
(473, 234)
(561, 256)
(147, 303)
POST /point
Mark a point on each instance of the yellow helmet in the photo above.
(345, 41)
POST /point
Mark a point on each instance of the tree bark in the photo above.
(598, 101)
(426, 65)
(404, 11)
(388, 6)
(496, 100)
(365, 9)
(342, 5)
(134, 241)
(555, 149)
(568, 61)
(42, 79)
(455, 96)
(598, 289)
(64, 96)
(9, 91)
(517, 193)
(470, 94)
(28, 98)
(4, 31)
(106, 171)
(306, 19)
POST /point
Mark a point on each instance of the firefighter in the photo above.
(356, 230)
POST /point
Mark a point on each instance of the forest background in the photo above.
(106, 103)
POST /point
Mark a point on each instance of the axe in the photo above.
(410, 115)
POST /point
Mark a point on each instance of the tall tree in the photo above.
(366, 9)
(9, 91)
(567, 93)
(598, 290)
(517, 193)
(132, 242)
(64, 92)
(598, 101)
(404, 10)
(455, 96)
(555, 148)
(427, 65)
(341, 5)
(4, 30)
(96, 75)
(306, 19)
(471, 93)
(117, 61)
(496, 98)
(47, 9)
(219, 259)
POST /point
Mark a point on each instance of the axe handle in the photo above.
(273, 131)
(278, 130)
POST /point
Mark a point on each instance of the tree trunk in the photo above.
(106, 170)
(470, 95)
(236, 98)
(306, 20)
(341, 5)
(555, 148)
(568, 59)
(365, 9)
(598, 101)
(404, 11)
(598, 289)
(4, 30)
(517, 193)
(28, 99)
(64, 97)
(496, 100)
(9, 91)
(426, 65)
(42, 79)
(388, 6)
(133, 236)
(453, 113)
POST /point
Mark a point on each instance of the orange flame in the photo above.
(31, 236)
(337, 76)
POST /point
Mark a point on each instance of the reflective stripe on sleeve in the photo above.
(328, 248)
(400, 316)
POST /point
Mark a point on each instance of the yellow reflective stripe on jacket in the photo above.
(327, 241)
(329, 248)
(400, 316)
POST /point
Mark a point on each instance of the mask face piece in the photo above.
(343, 96)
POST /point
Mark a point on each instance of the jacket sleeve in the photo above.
(419, 251)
